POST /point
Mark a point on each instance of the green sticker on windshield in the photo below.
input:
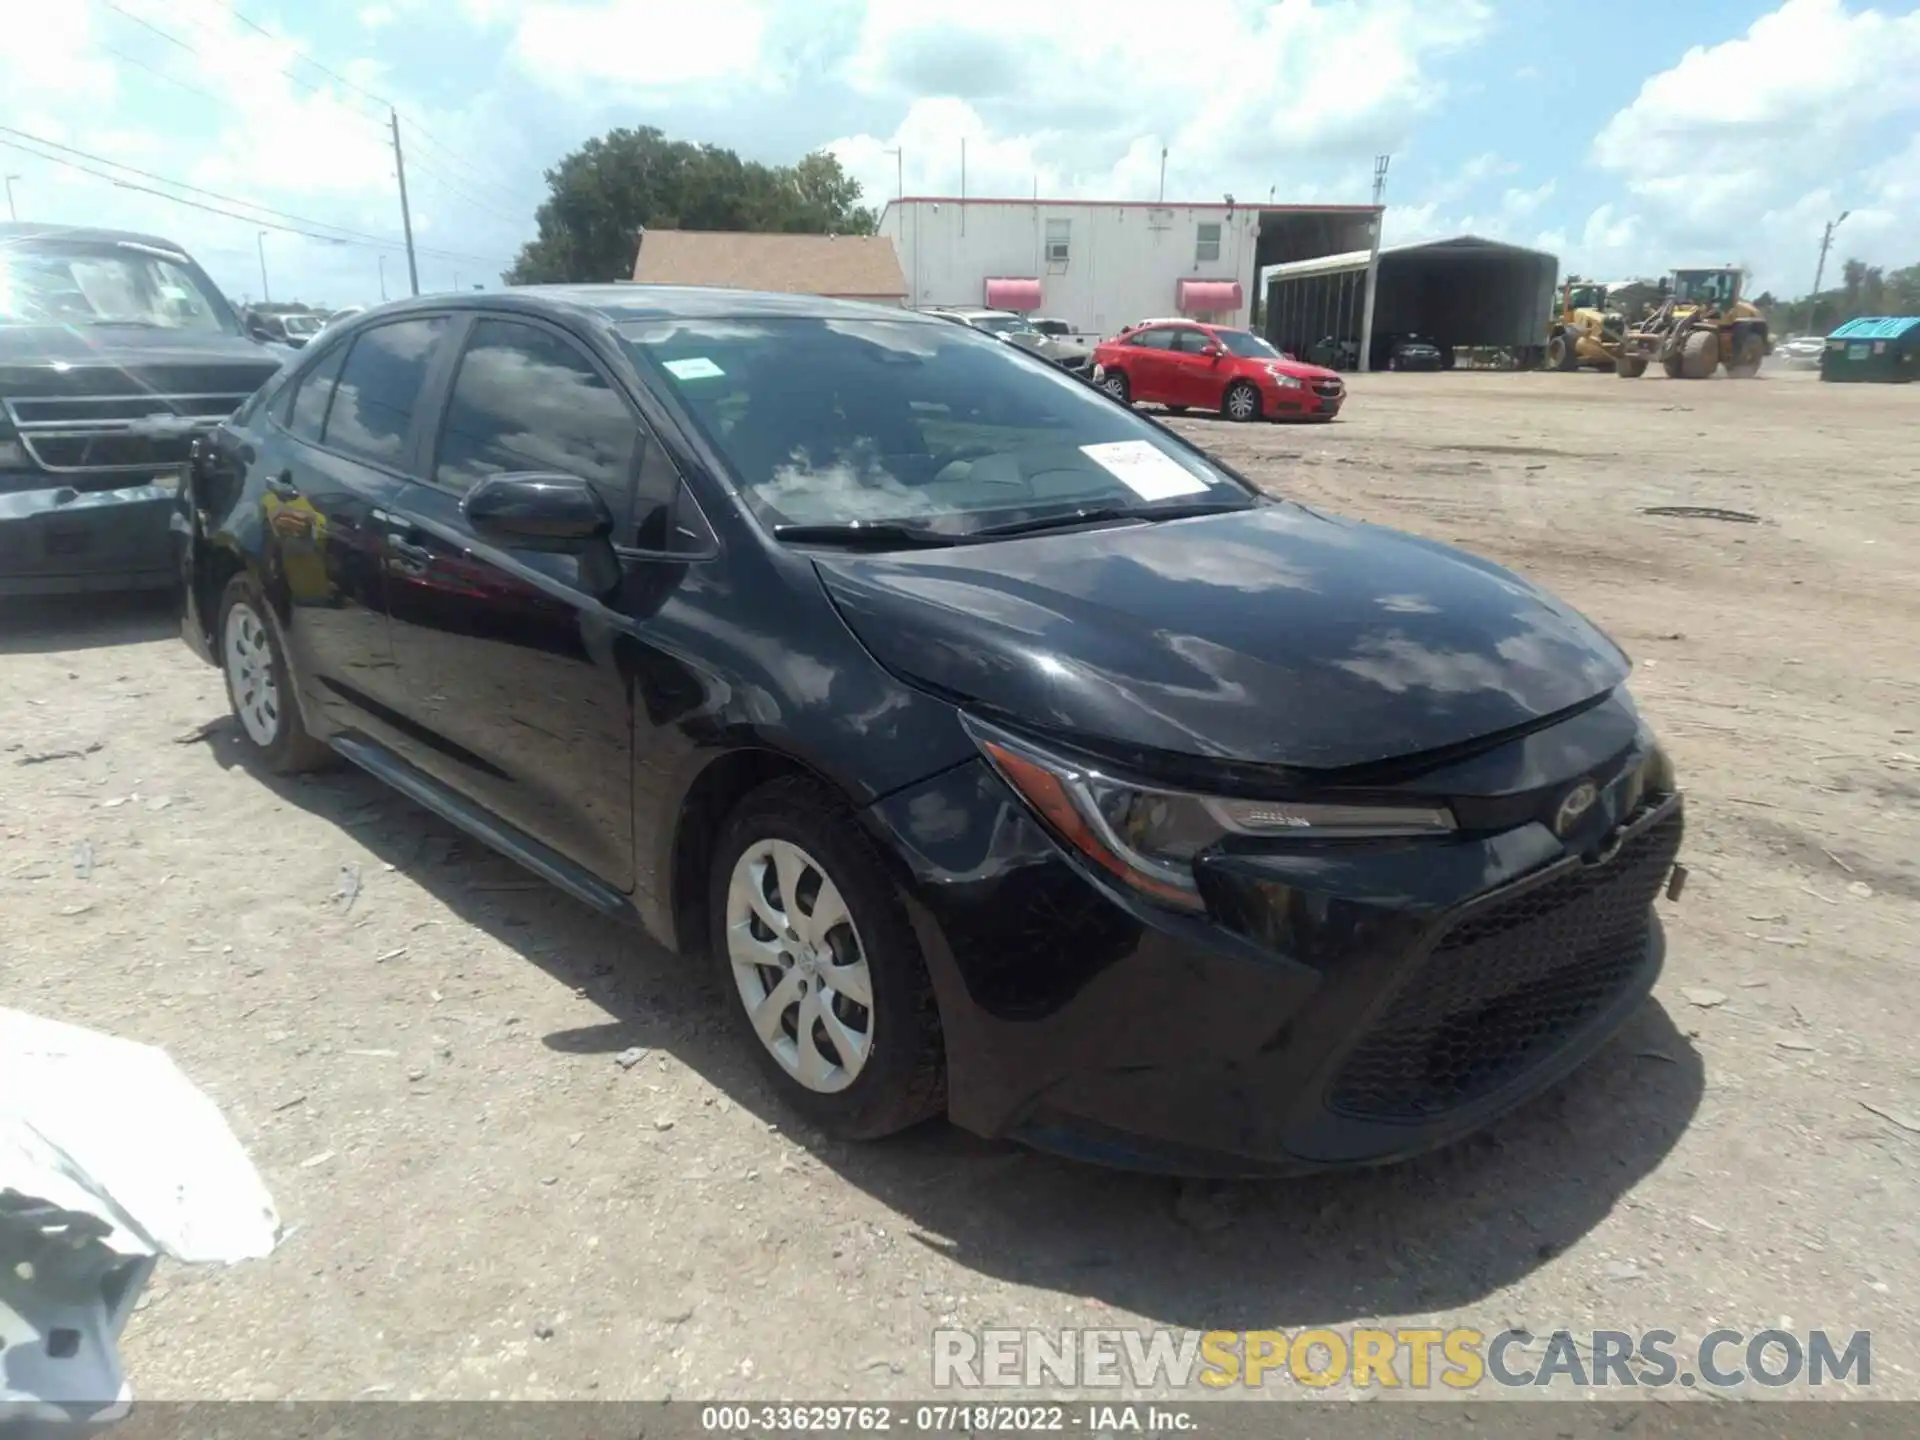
(697, 368)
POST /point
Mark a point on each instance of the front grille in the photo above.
(1328, 388)
(1506, 984)
(107, 435)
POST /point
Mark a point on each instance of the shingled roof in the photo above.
(846, 266)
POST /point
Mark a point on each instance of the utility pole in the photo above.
(1820, 271)
(260, 240)
(12, 214)
(1380, 163)
(1163, 174)
(963, 184)
(899, 171)
(406, 216)
(383, 275)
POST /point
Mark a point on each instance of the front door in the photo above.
(337, 452)
(518, 670)
(1195, 377)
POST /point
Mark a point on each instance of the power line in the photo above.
(385, 102)
(344, 236)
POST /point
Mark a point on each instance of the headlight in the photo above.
(1149, 837)
(1284, 380)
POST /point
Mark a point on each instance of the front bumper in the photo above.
(60, 540)
(1344, 1005)
(1287, 402)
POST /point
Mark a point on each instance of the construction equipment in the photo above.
(1701, 326)
(1585, 332)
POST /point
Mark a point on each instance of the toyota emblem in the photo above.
(1579, 800)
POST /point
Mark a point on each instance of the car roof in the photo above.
(17, 230)
(621, 302)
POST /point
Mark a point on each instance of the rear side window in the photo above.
(307, 415)
(379, 388)
(1153, 340)
(525, 399)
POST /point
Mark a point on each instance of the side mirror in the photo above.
(560, 514)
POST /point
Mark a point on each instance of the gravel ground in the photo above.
(423, 1048)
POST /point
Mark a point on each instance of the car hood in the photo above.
(1270, 636)
(54, 359)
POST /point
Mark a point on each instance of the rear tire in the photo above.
(1748, 351)
(1700, 355)
(1114, 384)
(859, 985)
(259, 686)
(1630, 367)
(1241, 402)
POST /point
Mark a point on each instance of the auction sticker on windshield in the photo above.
(1147, 471)
(698, 368)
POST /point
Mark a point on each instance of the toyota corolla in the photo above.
(1009, 757)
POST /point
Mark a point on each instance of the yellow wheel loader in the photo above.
(1585, 332)
(1702, 325)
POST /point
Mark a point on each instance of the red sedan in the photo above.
(1185, 365)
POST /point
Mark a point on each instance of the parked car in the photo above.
(116, 350)
(1409, 352)
(1335, 353)
(1006, 755)
(1802, 351)
(300, 328)
(1016, 329)
(1185, 365)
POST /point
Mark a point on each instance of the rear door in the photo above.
(346, 442)
(516, 666)
(1148, 365)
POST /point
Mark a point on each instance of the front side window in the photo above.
(95, 284)
(1192, 342)
(829, 421)
(528, 400)
(379, 389)
(1206, 244)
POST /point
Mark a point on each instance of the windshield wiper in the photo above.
(872, 534)
(1094, 514)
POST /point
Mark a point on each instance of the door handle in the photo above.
(281, 486)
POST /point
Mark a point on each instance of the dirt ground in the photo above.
(418, 1043)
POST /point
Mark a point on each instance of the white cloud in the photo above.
(1240, 95)
(1755, 142)
(652, 44)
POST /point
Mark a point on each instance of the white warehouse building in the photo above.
(1103, 264)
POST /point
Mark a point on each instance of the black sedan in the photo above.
(1010, 758)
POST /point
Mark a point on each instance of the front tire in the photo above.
(1700, 355)
(820, 967)
(1114, 384)
(1241, 402)
(259, 686)
(1561, 354)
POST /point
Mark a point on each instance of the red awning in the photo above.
(1008, 293)
(1209, 297)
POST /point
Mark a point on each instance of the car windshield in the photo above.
(1247, 345)
(106, 284)
(826, 421)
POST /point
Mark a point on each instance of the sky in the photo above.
(1627, 139)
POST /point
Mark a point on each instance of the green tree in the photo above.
(601, 195)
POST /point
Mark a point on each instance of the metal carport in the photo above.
(1461, 292)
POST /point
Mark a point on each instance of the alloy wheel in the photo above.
(249, 661)
(1242, 402)
(799, 965)
(1114, 386)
